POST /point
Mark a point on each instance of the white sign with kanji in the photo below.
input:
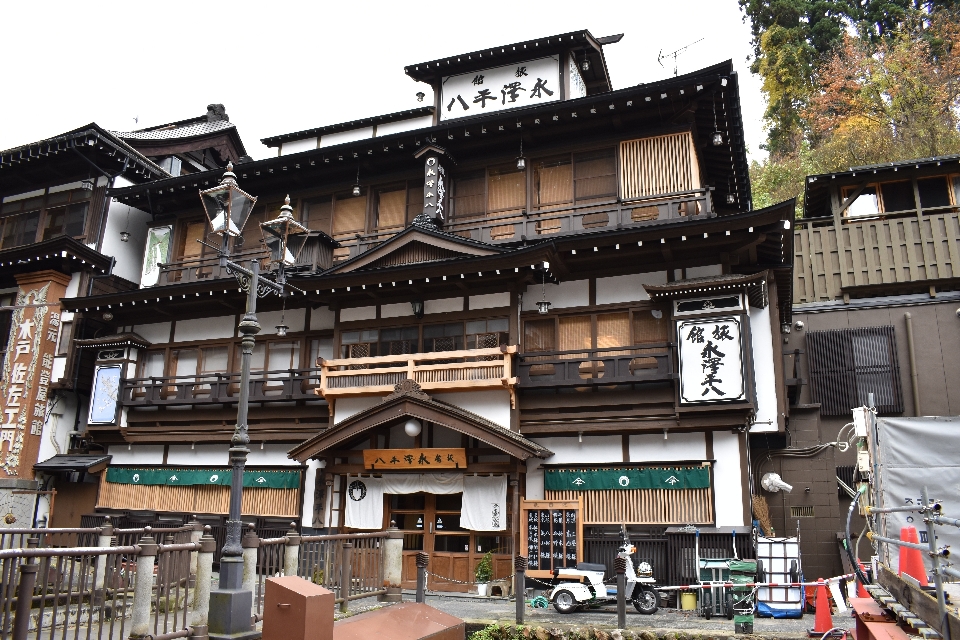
(711, 360)
(507, 87)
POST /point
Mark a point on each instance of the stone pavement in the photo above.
(477, 611)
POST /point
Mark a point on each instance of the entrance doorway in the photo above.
(431, 523)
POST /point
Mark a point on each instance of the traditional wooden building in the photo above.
(533, 310)
(876, 290)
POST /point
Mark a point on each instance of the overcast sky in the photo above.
(285, 66)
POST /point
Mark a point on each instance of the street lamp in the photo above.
(228, 207)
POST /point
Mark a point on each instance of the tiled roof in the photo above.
(188, 131)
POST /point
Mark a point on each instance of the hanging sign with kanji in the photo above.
(415, 459)
(711, 360)
(25, 398)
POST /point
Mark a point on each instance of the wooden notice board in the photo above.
(414, 459)
(551, 534)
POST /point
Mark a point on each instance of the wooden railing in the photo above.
(566, 220)
(470, 369)
(596, 367)
(206, 268)
(220, 388)
(876, 251)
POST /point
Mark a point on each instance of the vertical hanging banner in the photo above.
(436, 183)
(27, 367)
(711, 360)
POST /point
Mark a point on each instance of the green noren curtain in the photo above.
(626, 478)
(186, 477)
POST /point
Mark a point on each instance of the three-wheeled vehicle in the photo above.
(640, 585)
(715, 574)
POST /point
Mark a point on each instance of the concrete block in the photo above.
(404, 621)
(297, 609)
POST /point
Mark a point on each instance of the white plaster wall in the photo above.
(566, 294)
(492, 405)
(55, 437)
(396, 310)
(404, 125)
(156, 333)
(651, 447)
(204, 328)
(129, 255)
(322, 318)
(346, 407)
(137, 454)
(73, 288)
(59, 368)
(490, 300)
(446, 305)
(204, 455)
(702, 272)
(727, 485)
(627, 288)
(763, 371)
(534, 479)
(293, 318)
(342, 137)
(28, 194)
(296, 146)
(358, 313)
(593, 449)
(271, 455)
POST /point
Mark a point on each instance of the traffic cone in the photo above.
(861, 590)
(823, 622)
(911, 561)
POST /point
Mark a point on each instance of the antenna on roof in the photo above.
(673, 54)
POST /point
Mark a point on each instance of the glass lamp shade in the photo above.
(227, 206)
(543, 306)
(717, 138)
(412, 428)
(284, 236)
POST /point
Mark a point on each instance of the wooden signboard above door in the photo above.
(420, 459)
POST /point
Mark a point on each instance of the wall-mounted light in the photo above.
(543, 305)
(86, 185)
(665, 432)
(585, 65)
(282, 329)
(717, 138)
(420, 96)
(785, 327)
(579, 436)
(107, 316)
(799, 325)
(521, 161)
(417, 306)
(356, 185)
(124, 236)
(412, 427)
(731, 199)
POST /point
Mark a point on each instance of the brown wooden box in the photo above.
(296, 609)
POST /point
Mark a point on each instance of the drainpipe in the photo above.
(914, 377)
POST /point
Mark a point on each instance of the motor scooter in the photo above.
(567, 597)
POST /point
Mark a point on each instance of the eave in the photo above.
(62, 254)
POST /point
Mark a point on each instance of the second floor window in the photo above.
(578, 178)
(609, 330)
(29, 220)
(429, 338)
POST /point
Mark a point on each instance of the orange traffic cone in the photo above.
(861, 590)
(911, 560)
(823, 622)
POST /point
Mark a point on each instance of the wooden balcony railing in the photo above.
(875, 251)
(220, 388)
(206, 268)
(596, 367)
(567, 220)
(466, 370)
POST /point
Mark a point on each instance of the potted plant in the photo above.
(483, 573)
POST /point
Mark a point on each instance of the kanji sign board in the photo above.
(415, 459)
(507, 87)
(711, 360)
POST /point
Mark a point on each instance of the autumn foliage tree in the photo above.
(877, 96)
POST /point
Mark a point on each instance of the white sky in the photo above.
(283, 66)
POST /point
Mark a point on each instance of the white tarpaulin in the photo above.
(913, 453)
(365, 496)
(484, 503)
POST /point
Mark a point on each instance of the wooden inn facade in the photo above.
(529, 314)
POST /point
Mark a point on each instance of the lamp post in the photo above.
(228, 208)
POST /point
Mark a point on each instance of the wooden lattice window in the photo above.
(658, 165)
(849, 364)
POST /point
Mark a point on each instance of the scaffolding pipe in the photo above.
(945, 553)
(935, 507)
(938, 519)
(937, 570)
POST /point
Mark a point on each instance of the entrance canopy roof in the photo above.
(408, 401)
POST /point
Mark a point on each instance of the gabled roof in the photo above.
(397, 116)
(407, 400)
(416, 244)
(596, 78)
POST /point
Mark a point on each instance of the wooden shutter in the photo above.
(391, 208)
(414, 201)
(658, 165)
(613, 330)
(317, 215)
(847, 365)
(506, 189)
(554, 181)
(595, 175)
(252, 233)
(468, 195)
(349, 213)
(575, 333)
(539, 335)
(191, 248)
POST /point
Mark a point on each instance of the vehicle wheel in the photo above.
(760, 574)
(647, 601)
(564, 602)
(794, 572)
(707, 606)
(728, 606)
